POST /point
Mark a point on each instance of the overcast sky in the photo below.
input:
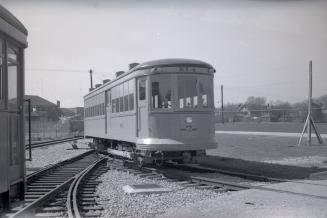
(258, 47)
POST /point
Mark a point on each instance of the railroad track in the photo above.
(61, 189)
(52, 142)
(201, 169)
(184, 180)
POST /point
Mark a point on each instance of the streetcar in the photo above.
(13, 41)
(157, 111)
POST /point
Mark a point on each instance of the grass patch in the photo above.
(259, 168)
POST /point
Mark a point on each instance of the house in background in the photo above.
(42, 110)
(75, 116)
(75, 113)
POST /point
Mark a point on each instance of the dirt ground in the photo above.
(270, 149)
(268, 155)
(267, 127)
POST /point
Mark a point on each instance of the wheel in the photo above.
(140, 162)
(159, 159)
(180, 161)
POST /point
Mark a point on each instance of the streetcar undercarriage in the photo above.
(144, 157)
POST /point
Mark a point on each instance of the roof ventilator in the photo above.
(119, 73)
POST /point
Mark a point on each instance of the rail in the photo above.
(72, 196)
(58, 176)
(52, 142)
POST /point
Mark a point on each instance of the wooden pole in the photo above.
(91, 79)
(310, 103)
(309, 121)
(222, 103)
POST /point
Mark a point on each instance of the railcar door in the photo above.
(108, 111)
(15, 95)
(142, 118)
(4, 128)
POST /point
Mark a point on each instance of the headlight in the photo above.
(188, 120)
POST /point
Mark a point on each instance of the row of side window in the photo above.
(122, 97)
(96, 110)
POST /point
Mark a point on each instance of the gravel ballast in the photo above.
(52, 154)
(117, 203)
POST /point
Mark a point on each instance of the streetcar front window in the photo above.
(194, 91)
(161, 92)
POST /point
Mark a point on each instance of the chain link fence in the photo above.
(271, 115)
(50, 130)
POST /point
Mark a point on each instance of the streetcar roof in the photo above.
(160, 63)
(172, 62)
(10, 25)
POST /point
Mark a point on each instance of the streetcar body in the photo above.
(13, 41)
(157, 111)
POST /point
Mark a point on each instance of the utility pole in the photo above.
(309, 121)
(91, 72)
(222, 103)
(29, 129)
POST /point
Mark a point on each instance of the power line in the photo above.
(57, 70)
(64, 70)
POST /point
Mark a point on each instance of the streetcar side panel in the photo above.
(94, 121)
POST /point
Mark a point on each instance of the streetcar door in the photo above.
(107, 111)
(142, 119)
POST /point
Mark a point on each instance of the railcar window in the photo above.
(2, 97)
(125, 96)
(131, 88)
(194, 92)
(113, 99)
(121, 98)
(108, 98)
(12, 78)
(161, 92)
(205, 89)
(187, 91)
(142, 90)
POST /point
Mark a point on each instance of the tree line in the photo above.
(258, 108)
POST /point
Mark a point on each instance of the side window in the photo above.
(142, 90)
(126, 96)
(2, 82)
(12, 78)
(108, 100)
(117, 99)
(121, 98)
(131, 94)
(113, 100)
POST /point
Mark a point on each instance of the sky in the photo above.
(258, 47)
